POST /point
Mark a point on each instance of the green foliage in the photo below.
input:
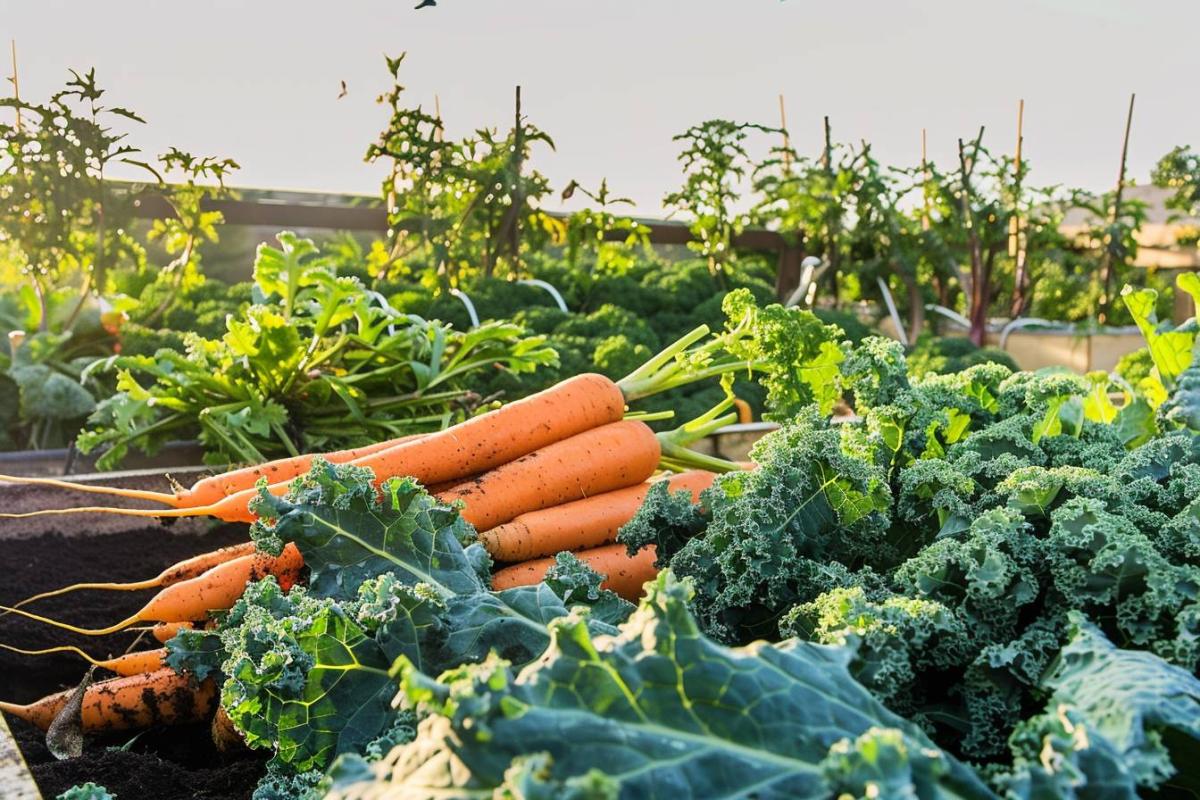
(86, 791)
(391, 574)
(316, 365)
(944, 355)
(656, 710)
(777, 536)
(55, 204)
(458, 208)
(715, 161)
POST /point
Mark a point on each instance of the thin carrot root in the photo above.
(133, 701)
(165, 498)
(117, 628)
(125, 512)
(188, 568)
(217, 589)
(133, 663)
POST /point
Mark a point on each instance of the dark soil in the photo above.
(166, 763)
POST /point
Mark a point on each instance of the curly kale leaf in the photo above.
(986, 575)
(86, 791)
(1057, 756)
(797, 354)
(781, 534)
(664, 712)
(1101, 564)
(391, 576)
(666, 520)
(347, 533)
(895, 641)
(1146, 708)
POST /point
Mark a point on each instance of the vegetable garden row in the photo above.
(983, 586)
(489, 561)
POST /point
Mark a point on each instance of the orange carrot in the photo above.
(193, 599)
(212, 489)
(133, 701)
(184, 570)
(481, 443)
(580, 524)
(599, 460)
(225, 735)
(744, 412)
(624, 574)
(128, 664)
(164, 632)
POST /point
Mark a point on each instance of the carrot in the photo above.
(164, 632)
(215, 487)
(184, 570)
(624, 574)
(133, 701)
(600, 460)
(189, 600)
(579, 524)
(744, 412)
(133, 663)
(225, 735)
(481, 443)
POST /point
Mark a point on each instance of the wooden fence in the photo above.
(370, 216)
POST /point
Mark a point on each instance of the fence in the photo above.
(369, 216)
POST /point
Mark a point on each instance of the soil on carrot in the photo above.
(164, 763)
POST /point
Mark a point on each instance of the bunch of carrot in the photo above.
(559, 470)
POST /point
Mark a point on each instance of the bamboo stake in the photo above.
(1106, 256)
(15, 81)
(787, 142)
(833, 223)
(1016, 239)
(925, 188)
(518, 199)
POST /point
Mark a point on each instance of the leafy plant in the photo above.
(393, 574)
(613, 241)
(316, 365)
(715, 161)
(460, 207)
(596, 717)
(55, 203)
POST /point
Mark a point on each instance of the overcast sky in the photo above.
(613, 80)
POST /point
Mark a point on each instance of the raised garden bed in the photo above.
(68, 461)
(160, 764)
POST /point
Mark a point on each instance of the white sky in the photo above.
(613, 80)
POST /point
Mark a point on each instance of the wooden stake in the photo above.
(787, 142)
(15, 82)
(1106, 256)
(518, 200)
(833, 223)
(925, 188)
(1016, 239)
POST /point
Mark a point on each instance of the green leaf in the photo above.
(1170, 349)
(664, 712)
(1146, 708)
(283, 271)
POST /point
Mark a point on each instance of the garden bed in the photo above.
(162, 763)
